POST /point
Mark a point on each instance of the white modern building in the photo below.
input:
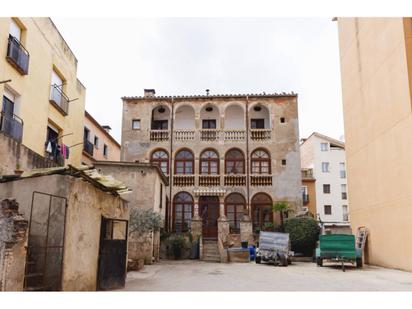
(326, 157)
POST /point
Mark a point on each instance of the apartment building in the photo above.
(98, 144)
(309, 192)
(228, 157)
(376, 69)
(323, 158)
(42, 112)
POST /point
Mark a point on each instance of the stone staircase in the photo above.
(210, 251)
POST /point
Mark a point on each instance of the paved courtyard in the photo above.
(204, 276)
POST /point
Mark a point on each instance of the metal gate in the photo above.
(44, 260)
(112, 254)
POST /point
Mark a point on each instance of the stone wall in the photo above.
(13, 239)
(14, 155)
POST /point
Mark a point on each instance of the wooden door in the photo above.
(209, 212)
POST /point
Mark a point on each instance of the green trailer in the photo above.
(340, 248)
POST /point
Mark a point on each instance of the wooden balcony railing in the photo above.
(184, 135)
(209, 134)
(235, 180)
(234, 135)
(260, 134)
(18, 56)
(209, 180)
(261, 180)
(159, 135)
(183, 180)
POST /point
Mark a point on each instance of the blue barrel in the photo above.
(252, 252)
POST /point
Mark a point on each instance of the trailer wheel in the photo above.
(319, 261)
(359, 263)
(258, 260)
(283, 261)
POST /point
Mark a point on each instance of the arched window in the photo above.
(234, 207)
(260, 161)
(184, 162)
(182, 211)
(161, 158)
(262, 213)
(234, 162)
(209, 162)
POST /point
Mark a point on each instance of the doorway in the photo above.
(209, 212)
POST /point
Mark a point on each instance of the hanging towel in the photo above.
(49, 147)
(63, 150)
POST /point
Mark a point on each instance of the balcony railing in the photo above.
(88, 147)
(12, 126)
(17, 55)
(235, 180)
(305, 198)
(234, 135)
(159, 135)
(59, 99)
(307, 173)
(260, 134)
(209, 135)
(184, 135)
(209, 180)
(261, 180)
(183, 180)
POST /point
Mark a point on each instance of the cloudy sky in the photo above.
(177, 56)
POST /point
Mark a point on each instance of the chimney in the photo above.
(149, 92)
(107, 128)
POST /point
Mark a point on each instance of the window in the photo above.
(209, 162)
(262, 214)
(17, 55)
(324, 146)
(234, 162)
(96, 142)
(257, 123)
(283, 162)
(325, 167)
(161, 158)
(344, 193)
(184, 162)
(326, 188)
(260, 161)
(105, 150)
(157, 125)
(86, 134)
(15, 30)
(282, 120)
(208, 124)
(136, 124)
(342, 170)
(328, 209)
(345, 214)
(234, 207)
(183, 211)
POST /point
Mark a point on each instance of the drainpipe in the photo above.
(171, 169)
(247, 156)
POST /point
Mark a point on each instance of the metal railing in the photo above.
(59, 98)
(307, 173)
(12, 126)
(17, 55)
(88, 147)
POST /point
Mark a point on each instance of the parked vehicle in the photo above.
(274, 247)
(340, 248)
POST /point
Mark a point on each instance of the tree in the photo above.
(144, 220)
(283, 209)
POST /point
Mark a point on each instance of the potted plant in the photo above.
(178, 244)
(18, 170)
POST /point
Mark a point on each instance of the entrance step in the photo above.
(210, 251)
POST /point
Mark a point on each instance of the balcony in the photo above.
(88, 147)
(209, 180)
(209, 135)
(305, 199)
(18, 56)
(59, 99)
(184, 135)
(234, 135)
(260, 134)
(183, 180)
(307, 173)
(159, 135)
(235, 180)
(261, 180)
(12, 126)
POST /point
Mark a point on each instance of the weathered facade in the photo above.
(66, 237)
(376, 69)
(149, 191)
(228, 157)
(42, 99)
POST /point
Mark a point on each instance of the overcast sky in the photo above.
(175, 56)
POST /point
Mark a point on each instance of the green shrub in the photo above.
(303, 233)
